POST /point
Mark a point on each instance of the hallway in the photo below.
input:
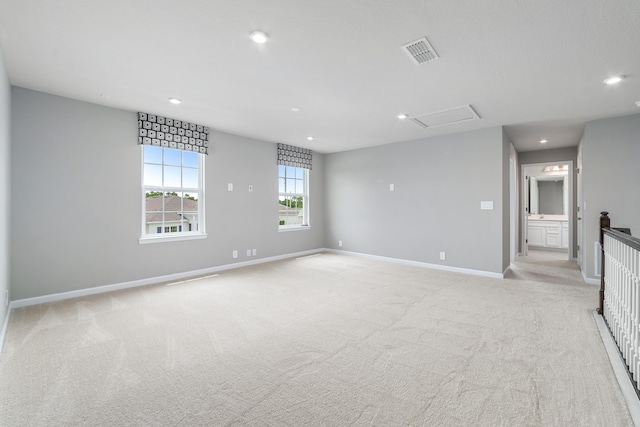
(546, 266)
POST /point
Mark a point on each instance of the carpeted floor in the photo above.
(321, 340)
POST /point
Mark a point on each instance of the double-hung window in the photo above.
(293, 198)
(172, 194)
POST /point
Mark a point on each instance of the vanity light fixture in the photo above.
(613, 80)
(402, 116)
(557, 168)
(175, 101)
(543, 141)
(259, 37)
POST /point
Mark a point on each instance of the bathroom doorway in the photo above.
(547, 209)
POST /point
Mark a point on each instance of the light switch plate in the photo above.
(486, 205)
(230, 186)
(392, 187)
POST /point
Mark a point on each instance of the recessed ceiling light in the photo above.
(295, 109)
(259, 37)
(402, 116)
(310, 138)
(638, 103)
(543, 141)
(613, 80)
(175, 101)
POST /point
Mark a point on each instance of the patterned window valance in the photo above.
(289, 155)
(170, 133)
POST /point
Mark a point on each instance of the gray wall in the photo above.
(506, 205)
(551, 195)
(76, 208)
(545, 156)
(5, 191)
(439, 183)
(610, 151)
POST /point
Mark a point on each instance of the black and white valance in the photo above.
(170, 133)
(289, 155)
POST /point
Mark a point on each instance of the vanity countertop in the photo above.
(538, 217)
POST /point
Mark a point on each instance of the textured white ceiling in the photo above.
(535, 67)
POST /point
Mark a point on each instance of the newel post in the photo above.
(605, 222)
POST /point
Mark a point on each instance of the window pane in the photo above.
(190, 221)
(172, 157)
(300, 173)
(154, 201)
(190, 178)
(190, 206)
(288, 212)
(281, 185)
(152, 154)
(281, 170)
(172, 176)
(291, 185)
(291, 172)
(152, 175)
(168, 208)
(190, 159)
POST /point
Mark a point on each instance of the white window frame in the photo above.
(305, 202)
(179, 235)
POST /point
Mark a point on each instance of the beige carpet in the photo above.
(322, 340)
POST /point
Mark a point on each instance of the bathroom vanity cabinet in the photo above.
(548, 232)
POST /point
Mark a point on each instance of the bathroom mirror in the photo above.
(548, 194)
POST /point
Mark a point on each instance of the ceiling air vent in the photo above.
(447, 117)
(420, 51)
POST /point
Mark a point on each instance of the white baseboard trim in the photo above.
(421, 264)
(619, 369)
(150, 281)
(590, 281)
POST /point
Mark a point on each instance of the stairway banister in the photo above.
(605, 223)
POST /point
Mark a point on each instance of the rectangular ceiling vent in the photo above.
(420, 51)
(447, 117)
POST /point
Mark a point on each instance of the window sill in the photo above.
(294, 228)
(165, 239)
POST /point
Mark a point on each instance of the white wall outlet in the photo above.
(443, 255)
(248, 252)
(250, 188)
(392, 187)
(234, 254)
(254, 252)
(340, 243)
(486, 205)
(230, 186)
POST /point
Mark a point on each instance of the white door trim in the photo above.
(571, 214)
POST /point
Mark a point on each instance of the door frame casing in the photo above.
(571, 211)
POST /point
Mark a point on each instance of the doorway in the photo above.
(548, 219)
